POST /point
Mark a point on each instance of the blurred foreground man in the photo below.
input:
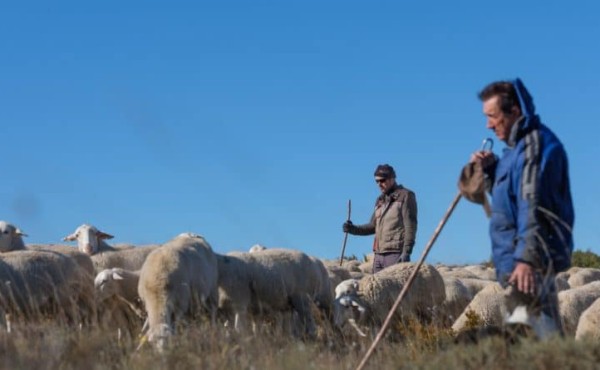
(532, 212)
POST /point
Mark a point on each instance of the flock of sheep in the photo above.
(152, 290)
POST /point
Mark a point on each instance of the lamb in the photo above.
(177, 279)
(118, 301)
(589, 323)
(574, 301)
(369, 300)
(36, 283)
(117, 282)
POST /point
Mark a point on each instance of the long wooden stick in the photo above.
(346, 233)
(388, 319)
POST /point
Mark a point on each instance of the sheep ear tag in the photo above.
(117, 276)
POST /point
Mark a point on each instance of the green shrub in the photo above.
(585, 259)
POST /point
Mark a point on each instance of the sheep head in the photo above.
(88, 238)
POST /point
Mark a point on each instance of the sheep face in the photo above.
(88, 238)
(9, 234)
(105, 283)
(346, 288)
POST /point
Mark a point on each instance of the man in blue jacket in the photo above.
(532, 211)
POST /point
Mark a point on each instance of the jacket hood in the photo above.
(529, 119)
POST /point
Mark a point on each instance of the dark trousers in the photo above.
(383, 260)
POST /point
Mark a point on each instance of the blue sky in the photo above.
(255, 121)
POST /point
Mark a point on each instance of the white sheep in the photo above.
(589, 322)
(474, 285)
(10, 237)
(583, 276)
(178, 279)
(128, 259)
(368, 301)
(270, 282)
(90, 240)
(457, 298)
(488, 308)
(574, 301)
(45, 282)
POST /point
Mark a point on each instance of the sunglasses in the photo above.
(380, 181)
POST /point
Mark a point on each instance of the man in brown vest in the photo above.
(394, 221)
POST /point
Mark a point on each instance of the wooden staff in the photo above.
(346, 234)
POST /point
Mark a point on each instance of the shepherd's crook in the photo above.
(346, 236)
(388, 319)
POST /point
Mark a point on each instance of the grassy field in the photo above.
(200, 346)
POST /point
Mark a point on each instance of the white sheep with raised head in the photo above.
(178, 280)
(367, 301)
(90, 240)
(104, 256)
(11, 237)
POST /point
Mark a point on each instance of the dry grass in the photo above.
(51, 346)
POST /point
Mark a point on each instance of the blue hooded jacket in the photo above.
(532, 211)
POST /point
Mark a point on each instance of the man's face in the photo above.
(384, 183)
(498, 121)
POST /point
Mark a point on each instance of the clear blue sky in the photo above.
(255, 121)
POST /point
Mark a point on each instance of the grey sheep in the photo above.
(178, 280)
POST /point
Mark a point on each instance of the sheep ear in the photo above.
(70, 238)
(20, 232)
(117, 276)
(103, 235)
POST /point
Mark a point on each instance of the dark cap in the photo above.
(386, 171)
